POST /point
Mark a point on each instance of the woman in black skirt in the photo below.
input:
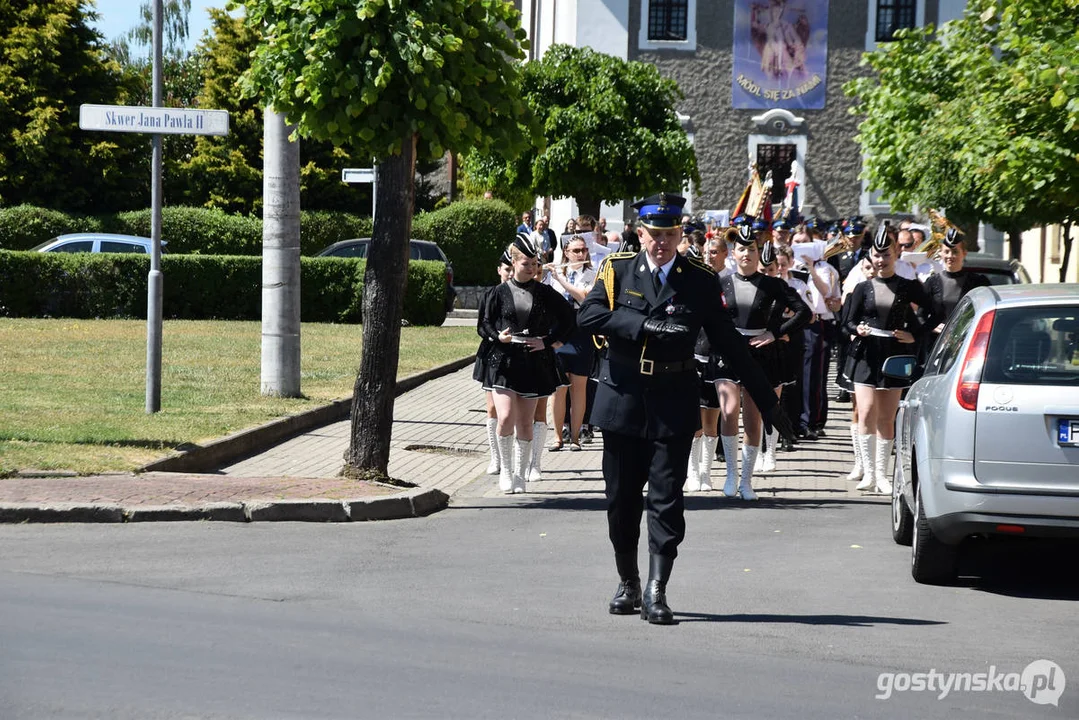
(528, 319)
(883, 323)
(703, 449)
(479, 369)
(756, 303)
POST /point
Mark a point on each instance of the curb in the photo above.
(416, 502)
(229, 449)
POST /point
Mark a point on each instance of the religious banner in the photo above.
(780, 54)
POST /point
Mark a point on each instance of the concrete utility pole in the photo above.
(155, 284)
(280, 258)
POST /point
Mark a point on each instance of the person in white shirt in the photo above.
(824, 302)
(573, 278)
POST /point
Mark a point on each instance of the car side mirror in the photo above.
(900, 367)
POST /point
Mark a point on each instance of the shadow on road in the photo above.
(838, 620)
(590, 500)
(1020, 567)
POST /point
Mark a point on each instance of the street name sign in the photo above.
(166, 121)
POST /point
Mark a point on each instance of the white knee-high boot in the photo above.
(704, 466)
(880, 466)
(769, 463)
(867, 447)
(492, 441)
(856, 472)
(730, 459)
(505, 472)
(693, 478)
(745, 486)
(539, 437)
(522, 459)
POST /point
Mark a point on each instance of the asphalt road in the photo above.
(497, 609)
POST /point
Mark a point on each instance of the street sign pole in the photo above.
(155, 280)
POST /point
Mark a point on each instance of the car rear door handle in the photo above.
(910, 403)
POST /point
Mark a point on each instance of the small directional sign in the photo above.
(358, 175)
(166, 121)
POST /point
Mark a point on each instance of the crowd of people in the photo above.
(808, 297)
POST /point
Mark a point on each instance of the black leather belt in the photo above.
(652, 367)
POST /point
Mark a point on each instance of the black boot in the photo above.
(654, 607)
(627, 600)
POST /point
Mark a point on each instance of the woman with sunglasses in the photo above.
(528, 319)
(756, 303)
(574, 278)
(883, 324)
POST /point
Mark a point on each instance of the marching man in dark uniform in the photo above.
(651, 306)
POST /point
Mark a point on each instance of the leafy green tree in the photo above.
(226, 172)
(51, 62)
(981, 118)
(392, 80)
(610, 127)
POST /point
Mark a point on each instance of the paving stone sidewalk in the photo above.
(439, 443)
(439, 440)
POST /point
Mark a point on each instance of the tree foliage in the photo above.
(610, 127)
(226, 172)
(981, 118)
(51, 61)
(370, 73)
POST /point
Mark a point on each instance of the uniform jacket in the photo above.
(628, 400)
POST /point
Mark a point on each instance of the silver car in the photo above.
(97, 243)
(987, 440)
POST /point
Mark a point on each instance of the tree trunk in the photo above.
(588, 206)
(1067, 240)
(383, 302)
(280, 258)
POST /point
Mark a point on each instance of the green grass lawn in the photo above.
(73, 392)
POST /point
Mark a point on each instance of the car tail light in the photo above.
(970, 375)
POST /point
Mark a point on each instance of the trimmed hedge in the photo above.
(197, 287)
(188, 230)
(25, 226)
(472, 233)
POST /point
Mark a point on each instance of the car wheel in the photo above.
(932, 562)
(902, 519)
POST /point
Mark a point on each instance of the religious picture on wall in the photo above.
(780, 53)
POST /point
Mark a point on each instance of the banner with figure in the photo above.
(780, 54)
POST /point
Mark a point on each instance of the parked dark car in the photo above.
(417, 250)
(997, 270)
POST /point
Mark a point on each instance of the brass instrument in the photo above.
(836, 246)
(939, 226)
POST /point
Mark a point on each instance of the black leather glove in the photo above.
(662, 328)
(777, 418)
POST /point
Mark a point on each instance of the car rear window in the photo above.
(426, 252)
(112, 246)
(1034, 346)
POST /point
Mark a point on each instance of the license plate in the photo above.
(1068, 431)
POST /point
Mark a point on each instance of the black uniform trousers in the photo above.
(628, 463)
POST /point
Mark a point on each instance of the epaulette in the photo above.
(700, 264)
(618, 256)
